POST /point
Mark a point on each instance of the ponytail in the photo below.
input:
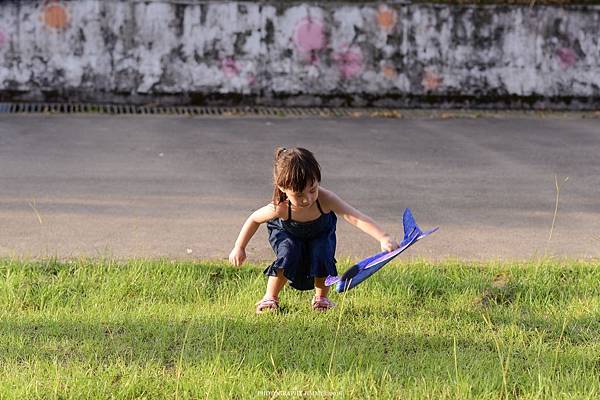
(278, 195)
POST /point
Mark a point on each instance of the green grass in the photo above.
(160, 329)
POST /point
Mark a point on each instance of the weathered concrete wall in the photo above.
(301, 53)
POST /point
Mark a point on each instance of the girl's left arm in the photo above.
(358, 219)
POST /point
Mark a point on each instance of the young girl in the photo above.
(301, 222)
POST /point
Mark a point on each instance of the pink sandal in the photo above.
(321, 303)
(267, 305)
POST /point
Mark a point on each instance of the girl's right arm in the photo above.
(264, 214)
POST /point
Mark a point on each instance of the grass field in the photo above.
(160, 329)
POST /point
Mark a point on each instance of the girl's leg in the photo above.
(320, 302)
(320, 289)
(275, 284)
(270, 302)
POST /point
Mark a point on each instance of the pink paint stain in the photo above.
(566, 57)
(309, 35)
(349, 62)
(230, 67)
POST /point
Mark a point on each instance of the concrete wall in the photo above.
(300, 53)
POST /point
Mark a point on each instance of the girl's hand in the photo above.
(237, 256)
(388, 244)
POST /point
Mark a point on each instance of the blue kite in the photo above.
(367, 267)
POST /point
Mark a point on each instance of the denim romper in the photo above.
(304, 250)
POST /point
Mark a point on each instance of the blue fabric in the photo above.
(304, 250)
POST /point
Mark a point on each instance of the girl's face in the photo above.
(304, 199)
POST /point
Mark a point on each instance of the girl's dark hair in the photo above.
(293, 169)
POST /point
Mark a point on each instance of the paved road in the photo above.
(179, 187)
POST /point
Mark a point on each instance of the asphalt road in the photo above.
(181, 187)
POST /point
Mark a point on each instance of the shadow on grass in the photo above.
(368, 342)
(266, 343)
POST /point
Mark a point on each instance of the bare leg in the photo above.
(320, 302)
(320, 289)
(275, 284)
